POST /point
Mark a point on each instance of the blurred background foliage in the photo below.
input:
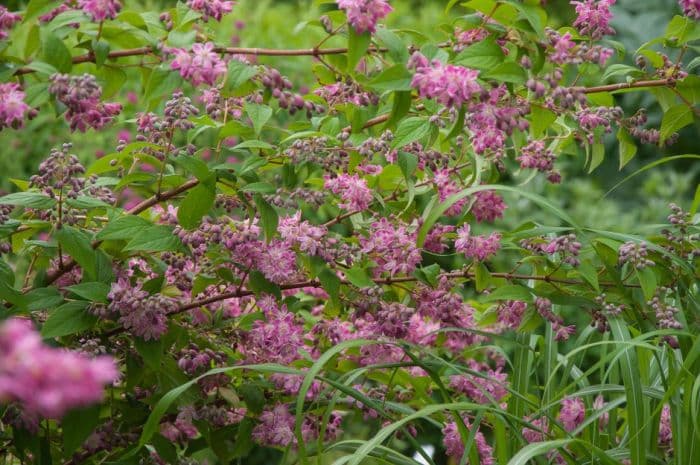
(293, 24)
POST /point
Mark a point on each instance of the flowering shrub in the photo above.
(266, 273)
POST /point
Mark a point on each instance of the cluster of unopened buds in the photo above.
(81, 95)
(566, 246)
(603, 312)
(60, 174)
(634, 254)
(280, 89)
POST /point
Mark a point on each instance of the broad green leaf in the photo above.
(509, 292)
(77, 425)
(647, 279)
(628, 148)
(359, 277)
(395, 78)
(674, 119)
(92, 291)
(268, 217)
(259, 115)
(197, 203)
(124, 227)
(78, 245)
(238, 74)
(69, 318)
(28, 199)
(156, 238)
(150, 351)
(483, 55)
(357, 47)
(410, 130)
(55, 52)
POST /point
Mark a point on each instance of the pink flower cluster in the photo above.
(7, 20)
(486, 389)
(594, 17)
(352, 189)
(81, 94)
(211, 8)
(99, 10)
(448, 84)
(13, 109)
(488, 206)
(691, 8)
(479, 248)
(364, 14)
(45, 380)
(454, 447)
(572, 413)
(200, 65)
(392, 247)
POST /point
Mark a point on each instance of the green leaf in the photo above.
(254, 397)
(331, 284)
(507, 72)
(410, 130)
(597, 156)
(650, 166)
(42, 68)
(484, 55)
(268, 217)
(28, 199)
(44, 298)
(195, 166)
(359, 277)
(428, 274)
(55, 52)
(527, 453)
(238, 74)
(197, 203)
(637, 409)
(674, 119)
(101, 51)
(77, 425)
(357, 47)
(628, 148)
(78, 245)
(92, 291)
(259, 284)
(150, 351)
(157, 238)
(124, 227)
(510, 292)
(682, 30)
(395, 78)
(540, 120)
(397, 48)
(647, 279)
(259, 188)
(69, 318)
(259, 115)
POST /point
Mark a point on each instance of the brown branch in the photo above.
(627, 85)
(144, 205)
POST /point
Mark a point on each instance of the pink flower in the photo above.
(46, 380)
(301, 234)
(392, 247)
(276, 427)
(277, 338)
(562, 46)
(278, 263)
(492, 387)
(99, 10)
(448, 84)
(665, 430)
(201, 65)
(479, 248)
(454, 447)
(594, 17)
(447, 187)
(364, 14)
(12, 106)
(488, 206)
(7, 20)
(211, 8)
(691, 8)
(572, 413)
(510, 313)
(352, 189)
